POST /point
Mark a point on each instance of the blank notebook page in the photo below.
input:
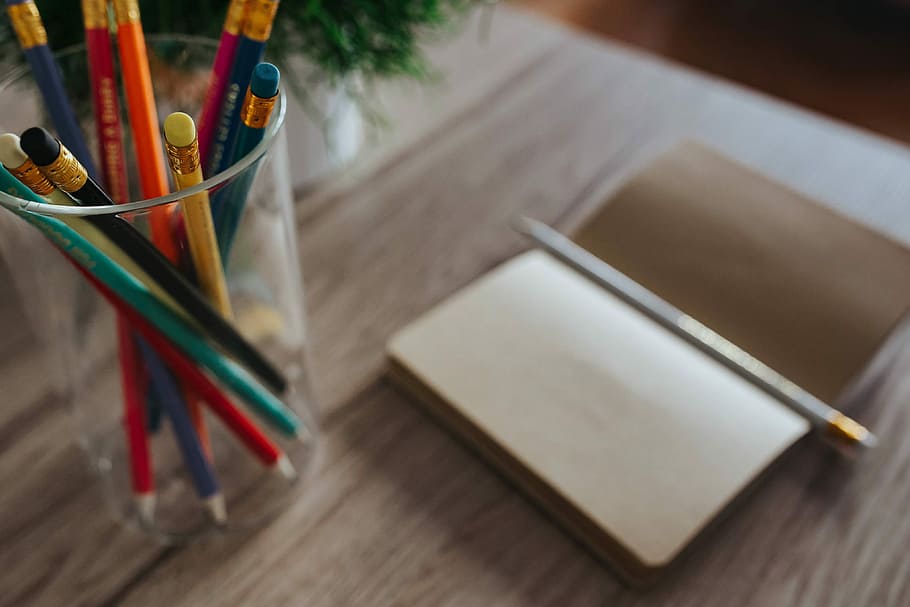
(646, 437)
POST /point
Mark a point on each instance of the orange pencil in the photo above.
(140, 101)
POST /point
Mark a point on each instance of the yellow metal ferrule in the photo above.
(29, 174)
(846, 430)
(256, 111)
(183, 160)
(65, 172)
(236, 13)
(259, 18)
(94, 14)
(27, 24)
(127, 11)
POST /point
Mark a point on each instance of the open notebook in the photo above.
(630, 438)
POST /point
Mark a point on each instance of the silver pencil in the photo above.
(822, 416)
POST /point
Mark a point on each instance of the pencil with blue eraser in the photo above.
(158, 314)
(32, 37)
(256, 31)
(255, 114)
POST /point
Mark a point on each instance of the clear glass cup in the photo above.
(76, 328)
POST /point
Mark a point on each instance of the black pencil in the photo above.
(62, 168)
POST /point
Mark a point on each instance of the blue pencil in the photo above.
(257, 28)
(168, 396)
(33, 39)
(254, 119)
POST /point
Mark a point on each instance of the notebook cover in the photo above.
(627, 436)
(807, 291)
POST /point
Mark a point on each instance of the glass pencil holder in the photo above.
(131, 395)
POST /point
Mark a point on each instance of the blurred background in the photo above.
(848, 59)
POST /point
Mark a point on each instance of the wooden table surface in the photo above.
(537, 120)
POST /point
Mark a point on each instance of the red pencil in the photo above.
(245, 431)
(134, 419)
(105, 100)
(221, 75)
(113, 166)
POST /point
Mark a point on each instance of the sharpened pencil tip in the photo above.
(285, 467)
(145, 506)
(217, 508)
(524, 225)
(850, 431)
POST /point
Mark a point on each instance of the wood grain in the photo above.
(401, 514)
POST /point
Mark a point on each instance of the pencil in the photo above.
(104, 99)
(20, 165)
(182, 147)
(245, 431)
(26, 21)
(820, 415)
(142, 304)
(140, 100)
(197, 463)
(59, 166)
(106, 107)
(221, 74)
(257, 27)
(255, 114)
(143, 113)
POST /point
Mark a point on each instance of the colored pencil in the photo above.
(143, 482)
(105, 99)
(32, 37)
(62, 169)
(221, 74)
(21, 166)
(245, 431)
(106, 106)
(140, 100)
(257, 27)
(182, 147)
(194, 457)
(143, 304)
(255, 114)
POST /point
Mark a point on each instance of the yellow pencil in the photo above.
(182, 147)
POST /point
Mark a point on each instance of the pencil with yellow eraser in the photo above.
(182, 147)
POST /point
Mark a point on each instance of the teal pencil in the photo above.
(158, 314)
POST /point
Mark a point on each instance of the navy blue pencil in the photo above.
(257, 27)
(168, 396)
(33, 39)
